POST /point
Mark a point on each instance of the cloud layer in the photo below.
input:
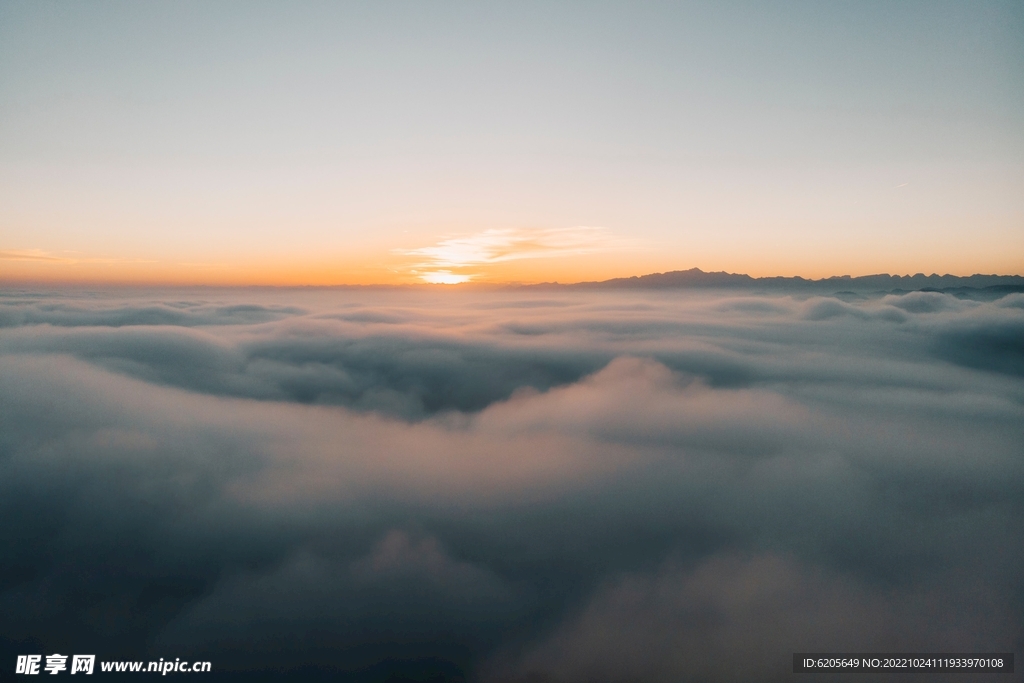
(544, 486)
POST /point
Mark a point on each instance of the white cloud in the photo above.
(500, 245)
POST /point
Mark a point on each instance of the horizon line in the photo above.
(695, 272)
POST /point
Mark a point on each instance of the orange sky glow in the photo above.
(501, 256)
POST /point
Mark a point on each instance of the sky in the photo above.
(488, 484)
(336, 143)
(509, 485)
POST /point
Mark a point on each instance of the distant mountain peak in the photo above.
(697, 278)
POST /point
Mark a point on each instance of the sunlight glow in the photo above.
(502, 245)
(444, 277)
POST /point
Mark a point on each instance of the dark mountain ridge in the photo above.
(697, 278)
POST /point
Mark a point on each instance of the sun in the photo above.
(444, 277)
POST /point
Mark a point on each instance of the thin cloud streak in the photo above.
(32, 255)
(39, 255)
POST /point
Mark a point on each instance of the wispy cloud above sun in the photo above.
(458, 259)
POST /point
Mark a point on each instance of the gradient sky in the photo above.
(324, 143)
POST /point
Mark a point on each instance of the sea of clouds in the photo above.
(509, 485)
